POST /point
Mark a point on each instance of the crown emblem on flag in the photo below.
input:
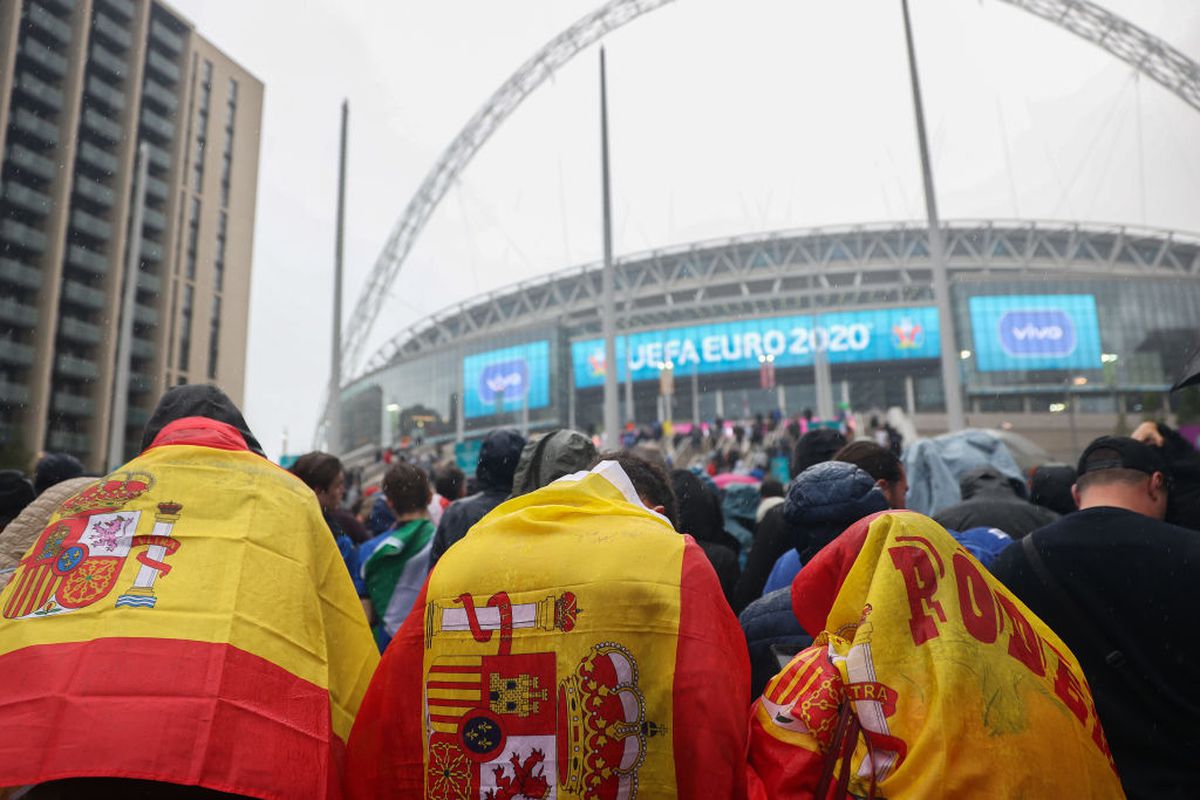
(604, 715)
(109, 493)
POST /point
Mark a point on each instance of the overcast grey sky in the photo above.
(726, 117)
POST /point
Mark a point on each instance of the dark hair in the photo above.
(771, 488)
(448, 480)
(406, 487)
(648, 479)
(318, 470)
(699, 510)
(879, 462)
(54, 468)
(814, 447)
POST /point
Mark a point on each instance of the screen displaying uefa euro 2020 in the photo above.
(845, 336)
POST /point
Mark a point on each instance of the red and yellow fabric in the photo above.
(573, 645)
(185, 619)
(928, 679)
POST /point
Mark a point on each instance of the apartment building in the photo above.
(82, 84)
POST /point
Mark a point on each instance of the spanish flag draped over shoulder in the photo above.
(185, 619)
(573, 645)
(927, 679)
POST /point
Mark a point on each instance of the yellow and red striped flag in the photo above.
(573, 645)
(185, 619)
(927, 678)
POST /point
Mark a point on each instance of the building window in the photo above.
(227, 155)
(185, 328)
(192, 237)
(219, 263)
(202, 125)
(214, 337)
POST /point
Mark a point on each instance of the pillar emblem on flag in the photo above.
(78, 559)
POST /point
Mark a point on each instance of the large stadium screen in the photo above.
(846, 336)
(508, 379)
(1035, 332)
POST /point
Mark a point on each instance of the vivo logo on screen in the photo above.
(1041, 332)
(508, 378)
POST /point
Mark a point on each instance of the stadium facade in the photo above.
(1051, 317)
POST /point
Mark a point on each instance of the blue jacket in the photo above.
(769, 624)
(826, 499)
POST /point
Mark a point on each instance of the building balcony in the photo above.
(73, 367)
(149, 283)
(79, 331)
(140, 382)
(25, 159)
(106, 60)
(136, 417)
(162, 97)
(87, 260)
(39, 91)
(77, 443)
(45, 21)
(114, 32)
(31, 123)
(15, 312)
(101, 125)
(157, 125)
(15, 393)
(151, 251)
(96, 192)
(65, 6)
(154, 220)
(15, 353)
(159, 158)
(26, 198)
(141, 348)
(123, 7)
(83, 295)
(23, 236)
(145, 314)
(73, 404)
(93, 226)
(99, 90)
(12, 271)
(44, 57)
(167, 37)
(104, 161)
(163, 66)
(156, 188)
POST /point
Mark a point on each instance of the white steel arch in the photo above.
(1145, 52)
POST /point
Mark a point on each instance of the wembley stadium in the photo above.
(1053, 320)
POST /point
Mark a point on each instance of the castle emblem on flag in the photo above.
(78, 558)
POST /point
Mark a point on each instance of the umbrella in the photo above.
(1191, 373)
(726, 478)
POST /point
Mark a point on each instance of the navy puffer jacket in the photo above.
(826, 499)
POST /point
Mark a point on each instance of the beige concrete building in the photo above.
(82, 83)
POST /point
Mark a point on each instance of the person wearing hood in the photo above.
(700, 516)
(823, 501)
(991, 500)
(54, 468)
(498, 458)
(739, 505)
(772, 538)
(558, 453)
(211, 569)
(1050, 487)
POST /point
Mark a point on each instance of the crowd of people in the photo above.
(567, 622)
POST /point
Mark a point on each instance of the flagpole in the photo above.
(951, 376)
(608, 310)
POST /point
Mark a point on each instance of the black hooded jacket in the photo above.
(498, 458)
(991, 501)
(197, 400)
